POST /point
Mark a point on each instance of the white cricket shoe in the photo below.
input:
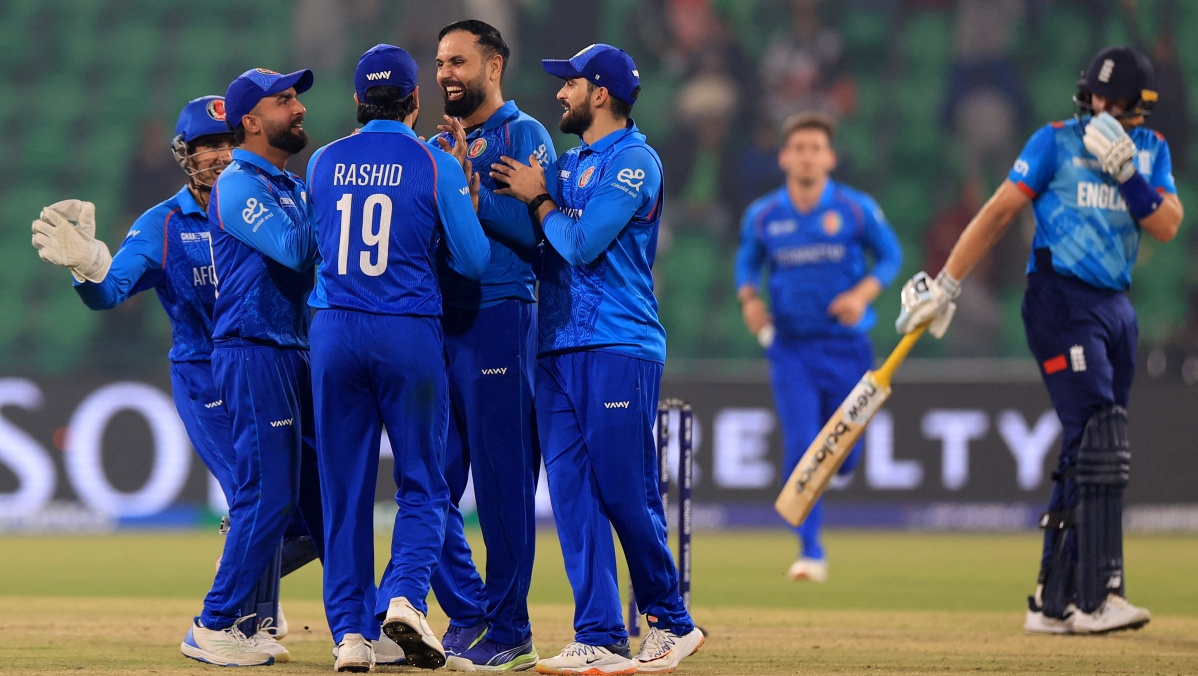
(814, 570)
(1036, 622)
(406, 626)
(387, 651)
(663, 650)
(354, 654)
(223, 647)
(267, 644)
(580, 658)
(1115, 614)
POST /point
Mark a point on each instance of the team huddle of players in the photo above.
(396, 287)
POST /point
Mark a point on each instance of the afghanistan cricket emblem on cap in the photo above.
(477, 147)
(216, 109)
(585, 178)
(832, 222)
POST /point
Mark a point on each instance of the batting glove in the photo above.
(72, 245)
(926, 301)
(1106, 139)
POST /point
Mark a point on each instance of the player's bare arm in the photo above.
(1163, 223)
(986, 228)
(752, 309)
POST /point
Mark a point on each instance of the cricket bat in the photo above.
(825, 455)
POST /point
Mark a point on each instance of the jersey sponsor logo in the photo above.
(1054, 365)
(1077, 358)
(832, 222)
(214, 404)
(1087, 163)
(782, 227)
(616, 404)
(282, 423)
(1021, 167)
(1100, 196)
(632, 178)
(133, 233)
(285, 201)
(495, 372)
(381, 75)
(216, 109)
(477, 147)
(809, 255)
(194, 237)
(464, 191)
(253, 210)
(367, 174)
(585, 178)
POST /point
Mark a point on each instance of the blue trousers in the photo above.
(1085, 342)
(595, 415)
(811, 377)
(206, 419)
(369, 371)
(267, 392)
(490, 353)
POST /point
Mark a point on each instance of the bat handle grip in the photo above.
(884, 373)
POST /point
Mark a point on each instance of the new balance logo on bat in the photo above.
(214, 404)
(616, 404)
(282, 423)
(494, 372)
(381, 75)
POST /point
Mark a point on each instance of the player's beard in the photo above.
(283, 138)
(473, 95)
(576, 120)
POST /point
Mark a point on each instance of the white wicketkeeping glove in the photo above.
(1106, 139)
(72, 245)
(925, 300)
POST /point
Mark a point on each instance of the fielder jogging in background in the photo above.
(813, 235)
(167, 249)
(382, 200)
(1094, 183)
(600, 358)
(490, 344)
(262, 249)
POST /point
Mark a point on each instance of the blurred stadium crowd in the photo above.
(935, 99)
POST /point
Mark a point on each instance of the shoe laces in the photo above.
(265, 625)
(658, 642)
(576, 649)
(234, 631)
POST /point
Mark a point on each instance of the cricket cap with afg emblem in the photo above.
(1119, 73)
(256, 84)
(204, 116)
(601, 65)
(385, 65)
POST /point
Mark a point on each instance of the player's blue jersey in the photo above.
(509, 275)
(167, 250)
(812, 257)
(263, 249)
(1080, 214)
(596, 278)
(380, 201)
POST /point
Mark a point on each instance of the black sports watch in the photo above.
(537, 202)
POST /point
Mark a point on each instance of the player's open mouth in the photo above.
(454, 92)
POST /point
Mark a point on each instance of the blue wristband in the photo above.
(1142, 199)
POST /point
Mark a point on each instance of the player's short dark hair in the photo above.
(384, 102)
(239, 134)
(488, 38)
(809, 119)
(211, 140)
(619, 109)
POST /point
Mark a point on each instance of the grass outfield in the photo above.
(896, 603)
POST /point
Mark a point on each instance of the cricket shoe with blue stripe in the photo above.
(580, 658)
(460, 639)
(227, 647)
(406, 626)
(663, 650)
(487, 655)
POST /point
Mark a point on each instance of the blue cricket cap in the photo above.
(201, 117)
(257, 83)
(385, 65)
(601, 65)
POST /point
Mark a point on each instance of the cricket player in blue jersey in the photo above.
(1095, 184)
(167, 249)
(383, 201)
(263, 250)
(601, 351)
(814, 234)
(490, 344)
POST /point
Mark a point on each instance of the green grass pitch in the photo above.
(896, 603)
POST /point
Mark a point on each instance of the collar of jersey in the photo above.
(187, 202)
(258, 161)
(500, 117)
(389, 126)
(825, 198)
(612, 138)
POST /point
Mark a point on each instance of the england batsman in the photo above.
(1095, 184)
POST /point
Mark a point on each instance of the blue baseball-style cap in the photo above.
(202, 117)
(253, 85)
(601, 65)
(385, 65)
